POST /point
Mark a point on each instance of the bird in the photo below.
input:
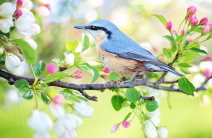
(121, 54)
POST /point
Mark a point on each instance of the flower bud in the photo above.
(191, 10)
(183, 32)
(106, 70)
(69, 58)
(126, 124)
(36, 28)
(207, 58)
(162, 132)
(48, 6)
(114, 128)
(58, 99)
(193, 21)
(203, 21)
(1, 51)
(207, 73)
(174, 32)
(155, 120)
(27, 4)
(12, 62)
(57, 110)
(19, 3)
(40, 122)
(83, 109)
(206, 28)
(51, 68)
(78, 74)
(210, 24)
(169, 25)
(150, 133)
(42, 11)
(149, 124)
(190, 39)
(17, 13)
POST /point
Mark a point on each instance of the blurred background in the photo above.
(188, 116)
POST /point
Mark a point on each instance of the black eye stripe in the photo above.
(95, 28)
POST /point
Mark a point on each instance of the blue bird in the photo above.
(121, 54)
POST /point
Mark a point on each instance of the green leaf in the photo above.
(161, 18)
(114, 76)
(141, 101)
(19, 83)
(127, 116)
(25, 92)
(73, 95)
(180, 38)
(39, 67)
(94, 72)
(198, 50)
(86, 43)
(196, 29)
(29, 53)
(151, 106)
(117, 101)
(71, 46)
(184, 65)
(56, 76)
(167, 53)
(132, 95)
(45, 98)
(186, 85)
(192, 44)
(169, 38)
(132, 106)
(173, 49)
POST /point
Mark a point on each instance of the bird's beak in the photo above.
(79, 27)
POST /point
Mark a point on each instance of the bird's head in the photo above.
(100, 29)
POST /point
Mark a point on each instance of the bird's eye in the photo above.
(93, 27)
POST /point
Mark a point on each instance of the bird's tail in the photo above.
(169, 69)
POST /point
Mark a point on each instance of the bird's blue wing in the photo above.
(126, 48)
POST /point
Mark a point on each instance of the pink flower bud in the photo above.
(106, 70)
(206, 28)
(17, 13)
(190, 39)
(169, 25)
(207, 73)
(51, 68)
(210, 24)
(174, 32)
(197, 41)
(191, 10)
(203, 21)
(48, 6)
(126, 124)
(182, 32)
(207, 58)
(114, 128)
(78, 74)
(58, 99)
(193, 21)
(19, 3)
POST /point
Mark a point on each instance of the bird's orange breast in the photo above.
(121, 66)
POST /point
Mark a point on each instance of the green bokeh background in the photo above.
(186, 118)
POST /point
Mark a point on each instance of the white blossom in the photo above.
(162, 132)
(40, 122)
(42, 11)
(83, 109)
(150, 133)
(69, 58)
(65, 126)
(57, 110)
(24, 23)
(149, 124)
(6, 12)
(12, 62)
(155, 120)
(36, 28)
(27, 4)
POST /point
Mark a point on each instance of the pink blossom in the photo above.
(207, 58)
(203, 21)
(210, 24)
(48, 6)
(78, 74)
(114, 128)
(207, 73)
(206, 28)
(190, 39)
(193, 21)
(58, 99)
(191, 10)
(17, 13)
(19, 3)
(169, 25)
(106, 70)
(51, 68)
(126, 124)
(182, 32)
